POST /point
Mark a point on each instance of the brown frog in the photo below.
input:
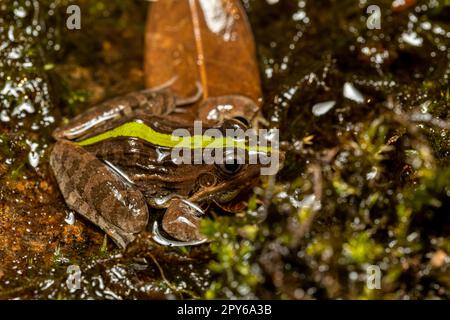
(114, 164)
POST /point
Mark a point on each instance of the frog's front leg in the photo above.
(93, 190)
(182, 222)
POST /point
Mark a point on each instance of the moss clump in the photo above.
(368, 182)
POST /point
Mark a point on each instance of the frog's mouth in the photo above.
(225, 197)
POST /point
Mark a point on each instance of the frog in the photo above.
(113, 165)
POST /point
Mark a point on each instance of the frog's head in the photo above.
(223, 182)
(234, 170)
(221, 177)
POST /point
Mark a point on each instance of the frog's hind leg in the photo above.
(156, 101)
(98, 194)
(109, 113)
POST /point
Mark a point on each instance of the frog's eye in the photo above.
(243, 121)
(236, 123)
(231, 165)
(230, 168)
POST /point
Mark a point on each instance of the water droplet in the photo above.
(33, 155)
(25, 106)
(323, 107)
(20, 12)
(162, 154)
(70, 218)
(213, 115)
(11, 34)
(350, 92)
(4, 117)
(15, 54)
(412, 38)
(217, 19)
(372, 174)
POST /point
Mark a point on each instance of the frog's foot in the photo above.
(182, 222)
(162, 240)
(184, 101)
(179, 101)
(163, 86)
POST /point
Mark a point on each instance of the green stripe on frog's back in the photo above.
(142, 131)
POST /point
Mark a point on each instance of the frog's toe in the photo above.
(121, 239)
(192, 99)
(158, 237)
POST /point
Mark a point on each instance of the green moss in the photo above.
(362, 248)
(234, 252)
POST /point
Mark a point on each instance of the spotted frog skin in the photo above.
(113, 166)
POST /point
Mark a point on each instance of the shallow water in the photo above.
(364, 116)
